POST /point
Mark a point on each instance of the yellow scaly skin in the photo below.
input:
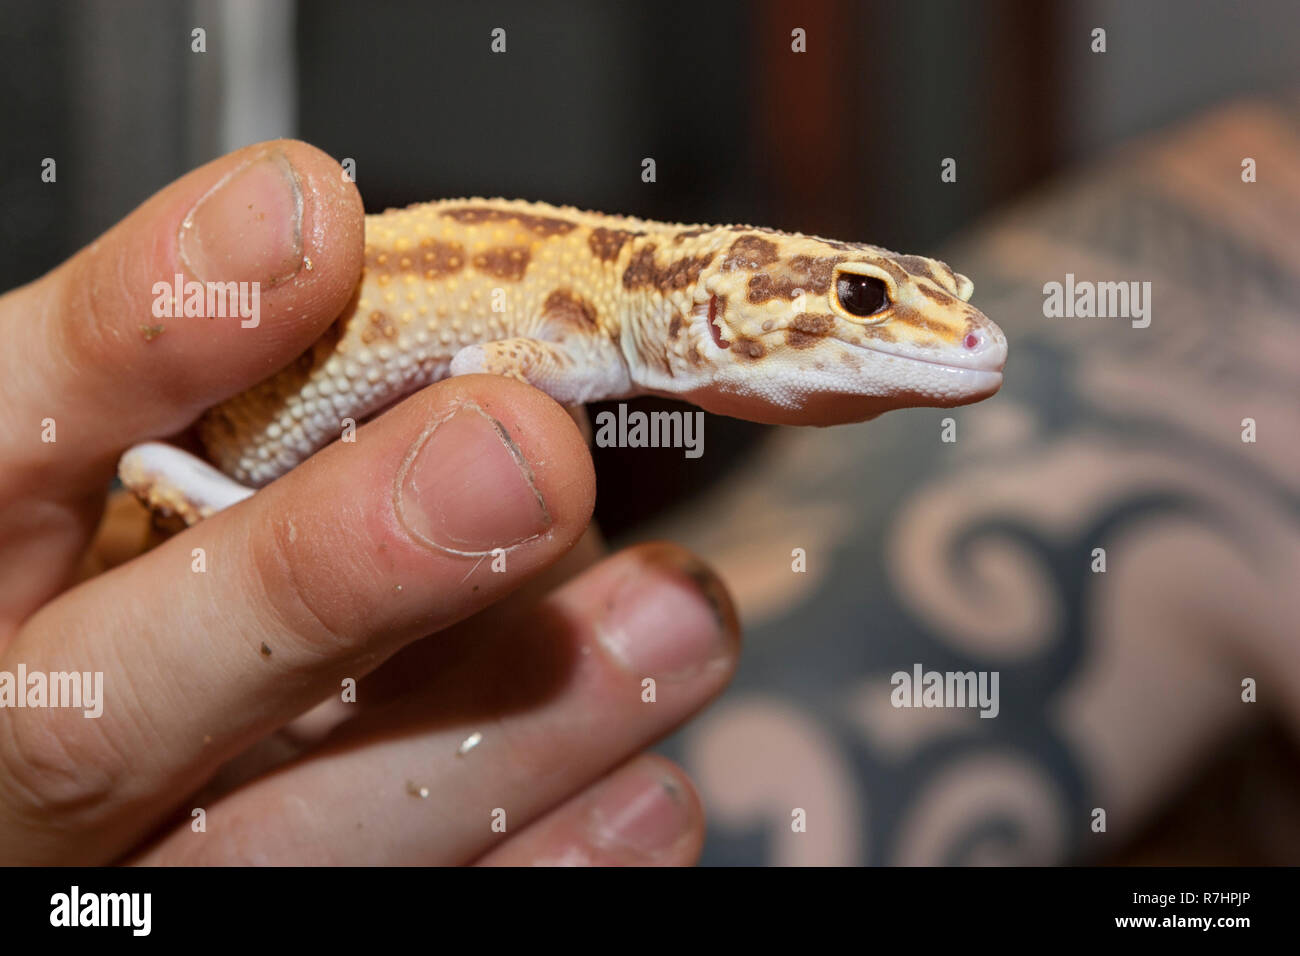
(742, 321)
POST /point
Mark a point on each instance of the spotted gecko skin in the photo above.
(743, 321)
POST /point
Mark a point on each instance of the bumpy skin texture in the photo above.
(740, 320)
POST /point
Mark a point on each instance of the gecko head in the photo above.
(796, 329)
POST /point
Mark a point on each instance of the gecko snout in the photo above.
(984, 347)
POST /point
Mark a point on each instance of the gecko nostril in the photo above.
(972, 340)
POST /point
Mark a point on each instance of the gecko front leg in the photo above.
(571, 372)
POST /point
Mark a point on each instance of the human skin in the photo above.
(227, 650)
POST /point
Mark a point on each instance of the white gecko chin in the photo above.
(787, 394)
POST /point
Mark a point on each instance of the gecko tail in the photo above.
(175, 484)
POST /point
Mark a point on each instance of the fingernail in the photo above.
(247, 228)
(669, 618)
(466, 487)
(640, 810)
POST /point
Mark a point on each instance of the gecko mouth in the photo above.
(977, 380)
(982, 352)
(987, 369)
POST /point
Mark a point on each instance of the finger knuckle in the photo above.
(309, 601)
(57, 764)
(85, 323)
(91, 328)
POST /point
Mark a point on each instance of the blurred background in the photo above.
(834, 141)
(844, 141)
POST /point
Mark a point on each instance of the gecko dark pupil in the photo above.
(861, 295)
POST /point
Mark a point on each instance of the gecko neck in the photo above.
(663, 326)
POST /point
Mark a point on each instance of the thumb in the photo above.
(102, 347)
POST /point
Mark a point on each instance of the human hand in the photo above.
(214, 645)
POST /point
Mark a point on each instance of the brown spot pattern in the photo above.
(543, 226)
(895, 270)
(938, 328)
(810, 274)
(762, 288)
(435, 258)
(675, 327)
(685, 271)
(644, 272)
(564, 306)
(807, 330)
(915, 319)
(749, 348)
(881, 332)
(918, 266)
(820, 323)
(936, 297)
(818, 269)
(750, 252)
(431, 258)
(503, 262)
(606, 244)
(641, 270)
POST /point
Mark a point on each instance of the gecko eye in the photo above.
(862, 296)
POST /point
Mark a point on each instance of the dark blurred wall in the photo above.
(835, 140)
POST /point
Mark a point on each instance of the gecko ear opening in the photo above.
(714, 329)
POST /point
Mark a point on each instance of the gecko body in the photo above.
(740, 320)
